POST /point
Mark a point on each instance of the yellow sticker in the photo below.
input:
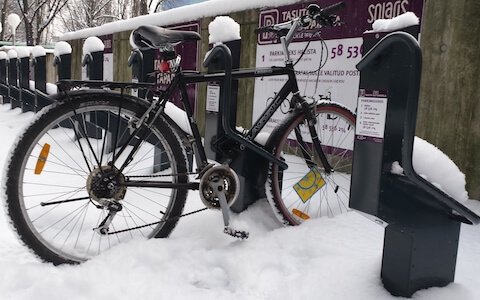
(309, 184)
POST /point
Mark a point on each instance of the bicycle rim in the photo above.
(304, 190)
(59, 200)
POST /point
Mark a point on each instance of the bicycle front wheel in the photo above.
(305, 190)
(65, 192)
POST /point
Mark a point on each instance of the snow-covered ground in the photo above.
(331, 258)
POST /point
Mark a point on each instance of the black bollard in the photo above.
(93, 62)
(63, 60)
(4, 77)
(14, 90)
(421, 239)
(40, 77)
(27, 95)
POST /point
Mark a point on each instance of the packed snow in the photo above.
(433, 165)
(328, 258)
(3, 55)
(397, 169)
(62, 48)
(223, 29)
(92, 44)
(402, 21)
(12, 54)
(176, 16)
(38, 51)
(22, 52)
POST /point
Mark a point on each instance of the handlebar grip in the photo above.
(327, 11)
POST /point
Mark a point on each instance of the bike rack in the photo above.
(219, 59)
(93, 62)
(3, 77)
(27, 95)
(40, 75)
(421, 239)
(14, 90)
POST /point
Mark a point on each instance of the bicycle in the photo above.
(100, 167)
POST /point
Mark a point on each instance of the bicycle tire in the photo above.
(63, 232)
(304, 191)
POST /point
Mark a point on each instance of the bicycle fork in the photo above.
(317, 144)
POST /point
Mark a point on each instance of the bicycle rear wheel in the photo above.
(305, 190)
(61, 185)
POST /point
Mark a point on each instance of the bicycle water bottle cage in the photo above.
(153, 37)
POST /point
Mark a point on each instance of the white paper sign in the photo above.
(371, 116)
(213, 98)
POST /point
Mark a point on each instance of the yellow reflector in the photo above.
(300, 214)
(309, 184)
(42, 159)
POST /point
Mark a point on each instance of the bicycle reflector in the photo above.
(164, 66)
(42, 159)
(300, 214)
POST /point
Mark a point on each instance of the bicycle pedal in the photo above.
(239, 234)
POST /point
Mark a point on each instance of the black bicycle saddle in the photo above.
(148, 36)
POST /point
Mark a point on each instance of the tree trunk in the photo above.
(139, 8)
(2, 19)
(449, 104)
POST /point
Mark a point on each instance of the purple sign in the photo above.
(107, 42)
(188, 51)
(358, 17)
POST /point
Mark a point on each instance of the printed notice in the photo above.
(213, 98)
(371, 116)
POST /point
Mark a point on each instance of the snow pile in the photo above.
(3, 55)
(51, 88)
(179, 116)
(436, 167)
(12, 53)
(402, 21)
(337, 258)
(92, 44)
(179, 15)
(22, 52)
(38, 51)
(223, 29)
(396, 168)
(62, 48)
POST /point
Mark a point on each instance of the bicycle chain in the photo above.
(161, 175)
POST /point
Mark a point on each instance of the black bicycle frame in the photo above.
(184, 78)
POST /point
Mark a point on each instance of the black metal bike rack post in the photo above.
(221, 138)
(27, 95)
(142, 64)
(14, 90)
(213, 121)
(95, 122)
(63, 63)
(4, 77)
(40, 77)
(94, 63)
(421, 239)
